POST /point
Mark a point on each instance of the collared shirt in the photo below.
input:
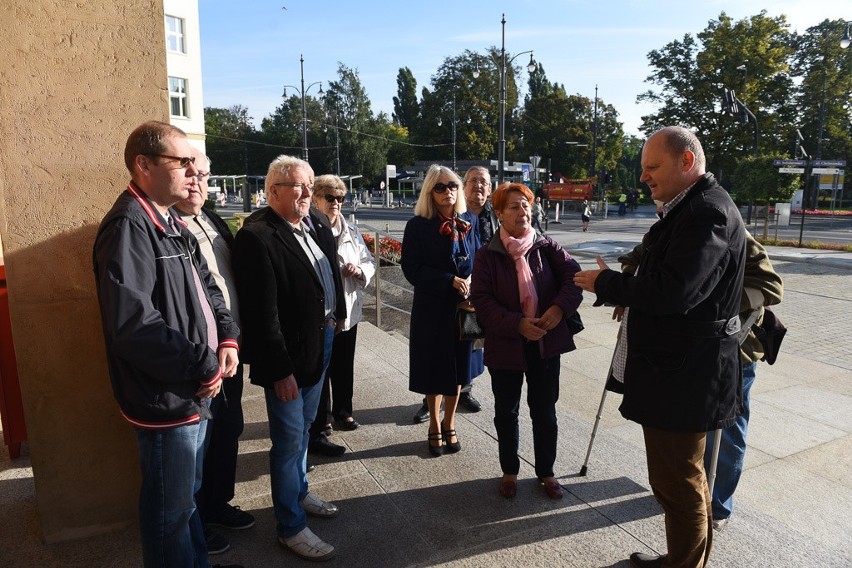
(217, 253)
(677, 198)
(319, 261)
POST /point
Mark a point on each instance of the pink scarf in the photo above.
(517, 249)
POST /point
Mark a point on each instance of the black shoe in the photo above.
(422, 414)
(436, 437)
(348, 423)
(327, 431)
(642, 560)
(230, 517)
(451, 447)
(310, 468)
(321, 446)
(226, 565)
(216, 543)
(471, 404)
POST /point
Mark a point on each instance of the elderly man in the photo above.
(169, 338)
(223, 434)
(291, 298)
(680, 361)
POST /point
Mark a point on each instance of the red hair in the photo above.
(501, 194)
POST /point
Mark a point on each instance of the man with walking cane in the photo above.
(679, 357)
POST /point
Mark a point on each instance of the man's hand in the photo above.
(550, 318)
(286, 389)
(618, 313)
(228, 360)
(338, 327)
(529, 328)
(585, 279)
(462, 286)
(349, 269)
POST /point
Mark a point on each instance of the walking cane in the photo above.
(714, 459)
(594, 431)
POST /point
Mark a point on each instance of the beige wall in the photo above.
(75, 79)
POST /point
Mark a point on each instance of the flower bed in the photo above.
(390, 250)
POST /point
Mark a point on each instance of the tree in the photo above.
(228, 130)
(691, 78)
(406, 109)
(757, 180)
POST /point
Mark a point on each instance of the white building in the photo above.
(183, 61)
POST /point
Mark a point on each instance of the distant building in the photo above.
(183, 61)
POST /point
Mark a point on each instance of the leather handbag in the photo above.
(575, 323)
(468, 323)
(770, 333)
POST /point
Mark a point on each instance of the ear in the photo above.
(687, 161)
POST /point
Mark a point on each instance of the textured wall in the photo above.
(75, 79)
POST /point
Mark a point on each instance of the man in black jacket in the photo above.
(680, 362)
(169, 338)
(223, 434)
(291, 300)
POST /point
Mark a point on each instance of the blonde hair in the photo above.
(425, 206)
(329, 184)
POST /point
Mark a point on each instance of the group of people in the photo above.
(183, 303)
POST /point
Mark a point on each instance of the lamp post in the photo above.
(454, 130)
(531, 67)
(303, 92)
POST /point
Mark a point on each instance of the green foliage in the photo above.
(757, 180)
(228, 131)
(406, 109)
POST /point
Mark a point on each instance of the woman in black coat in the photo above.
(437, 259)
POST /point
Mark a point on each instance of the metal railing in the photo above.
(378, 281)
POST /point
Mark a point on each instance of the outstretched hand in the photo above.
(585, 279)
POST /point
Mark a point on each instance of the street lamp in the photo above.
(302, 92)
(454, 130)
(531, 67)
(846, 40)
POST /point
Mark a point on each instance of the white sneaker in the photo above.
(316, 507)
(309, 546)
(720, 524)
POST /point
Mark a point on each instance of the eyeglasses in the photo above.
(478, 181)
(442, 187)
(296, 185)
(332, 198)
(185, 161)
(201, 176)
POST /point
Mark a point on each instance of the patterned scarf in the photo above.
(454, 227)
(517, 249)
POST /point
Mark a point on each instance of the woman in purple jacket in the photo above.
(523, 288)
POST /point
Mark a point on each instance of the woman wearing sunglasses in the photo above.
(437, 259)
(356, 269)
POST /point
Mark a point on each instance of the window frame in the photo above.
(180, 96)
(178, 34)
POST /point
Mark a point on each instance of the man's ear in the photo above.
(687, 161)
(142, 164)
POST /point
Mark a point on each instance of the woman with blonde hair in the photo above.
(437, 259)
(356, 270)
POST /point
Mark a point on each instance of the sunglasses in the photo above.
(442, 187)
(332, 198)
(185, 161)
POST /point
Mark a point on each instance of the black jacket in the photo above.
(683, 368)
(154, 328)
(282, 303)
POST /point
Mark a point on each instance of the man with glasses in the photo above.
(169, 338)
(223, 433)
(291, 301)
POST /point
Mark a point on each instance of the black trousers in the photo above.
(542, 393)
(222, 446)
(341, 371)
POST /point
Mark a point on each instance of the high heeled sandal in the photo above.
(436, 437)
(451, 447)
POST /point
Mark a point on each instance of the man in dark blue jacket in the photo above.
(680, 362)
(169, 338)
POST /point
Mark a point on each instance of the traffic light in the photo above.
(730, 105)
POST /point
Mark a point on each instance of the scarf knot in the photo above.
(454, 227)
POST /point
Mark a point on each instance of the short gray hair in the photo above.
(282, 165)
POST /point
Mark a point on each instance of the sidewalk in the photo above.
(400, 507)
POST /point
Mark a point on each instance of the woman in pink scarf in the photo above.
(523, 288)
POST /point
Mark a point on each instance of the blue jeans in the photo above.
(731, 453)
(289, 424)
(171, 528)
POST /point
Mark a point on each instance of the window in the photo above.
(174, 35)
(177, 97)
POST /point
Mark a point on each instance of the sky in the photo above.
(251, 49)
